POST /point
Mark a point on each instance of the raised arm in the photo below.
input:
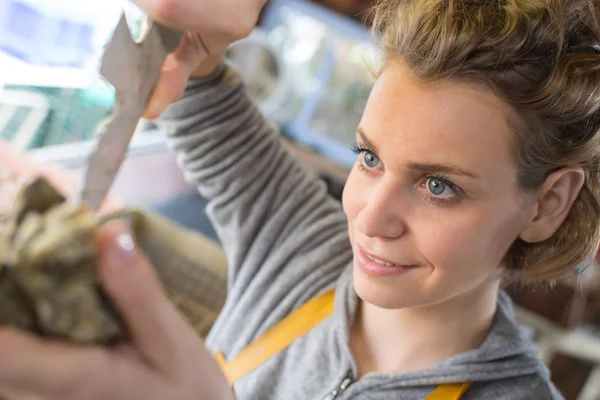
(261, 197)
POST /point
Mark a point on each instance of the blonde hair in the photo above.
(543, 58)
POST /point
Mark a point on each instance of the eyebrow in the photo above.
(363, 137)
(438, 168)
(422, 167)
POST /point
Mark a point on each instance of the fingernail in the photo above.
(123, 251)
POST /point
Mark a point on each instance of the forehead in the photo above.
(441, 122)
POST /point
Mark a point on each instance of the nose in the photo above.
(382, 214)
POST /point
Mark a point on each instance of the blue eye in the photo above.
(439, 187)
(370, 159)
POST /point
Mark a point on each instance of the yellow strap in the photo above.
(449, 391)
(279, 337)
(291, 328)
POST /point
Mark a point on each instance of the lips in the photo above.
(380, 261)
(375, 265)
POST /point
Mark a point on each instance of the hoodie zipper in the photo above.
(347, 381)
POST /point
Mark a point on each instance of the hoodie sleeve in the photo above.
(267, 208)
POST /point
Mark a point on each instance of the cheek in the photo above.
(472, 243)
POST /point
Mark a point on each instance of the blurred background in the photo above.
(307, 65)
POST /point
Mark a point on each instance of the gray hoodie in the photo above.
(286, 241)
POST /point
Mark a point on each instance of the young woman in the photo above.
(477, 160)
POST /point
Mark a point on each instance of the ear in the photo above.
(553, 203)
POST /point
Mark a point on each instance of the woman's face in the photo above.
(432, 201)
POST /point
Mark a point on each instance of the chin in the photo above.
(387, 293)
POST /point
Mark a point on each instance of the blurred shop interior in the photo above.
(306, 65)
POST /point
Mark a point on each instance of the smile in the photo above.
(381, 262)
(375, 266)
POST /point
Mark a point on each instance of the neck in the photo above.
(395, 341)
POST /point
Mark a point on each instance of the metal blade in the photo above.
(132, 69)
(120, 45)
(105, 161)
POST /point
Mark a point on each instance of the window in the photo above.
(50, 90)
(328, 60)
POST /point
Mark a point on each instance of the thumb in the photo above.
(175, 73)
(131, 283)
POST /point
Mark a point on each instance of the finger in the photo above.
(191, 52)
(129, 352)
(167, 12)
(169, 87)
(175, 73)
(221, 17)
(40, 367)
(9, 394)
(130, 282)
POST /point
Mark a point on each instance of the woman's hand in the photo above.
(165, 360)
(210, 26)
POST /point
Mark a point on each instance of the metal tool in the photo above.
(132, 69)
